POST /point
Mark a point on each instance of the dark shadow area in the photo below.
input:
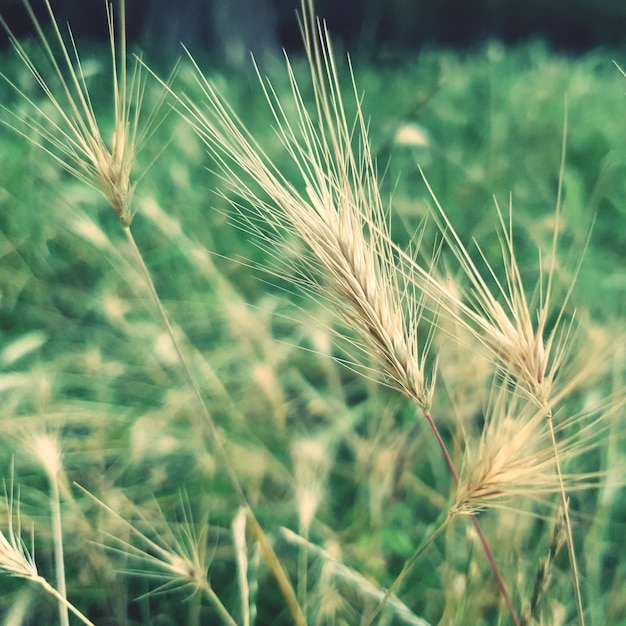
(375, 29)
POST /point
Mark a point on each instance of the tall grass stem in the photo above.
(564, 500)
(59, 561)
(186, 368)
(270, 556)
(407, 568)
(225, 616)
(568, 526)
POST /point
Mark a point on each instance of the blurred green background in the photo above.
(375, 29)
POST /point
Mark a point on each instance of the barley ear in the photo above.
(72, 134)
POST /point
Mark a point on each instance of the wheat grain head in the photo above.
(72, 135)
(15, 558)
(333, 206)
(514, 458)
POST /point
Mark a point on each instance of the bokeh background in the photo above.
(377, 29)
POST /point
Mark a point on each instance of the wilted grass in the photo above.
(494, 344)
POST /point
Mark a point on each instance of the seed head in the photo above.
(72, 134)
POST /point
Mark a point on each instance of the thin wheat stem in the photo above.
(57, 533)
(268, 552)
(302, 576)
(222, 611)
(496, 572)
(407, 568)
(568, 526)
(442, 445)
(40, 580)
(275, 565)
(189, 377)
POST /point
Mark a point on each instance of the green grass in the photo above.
(84, 355)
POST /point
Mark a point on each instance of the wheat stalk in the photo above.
(45, 447)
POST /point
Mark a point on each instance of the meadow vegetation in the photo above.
(344, 345)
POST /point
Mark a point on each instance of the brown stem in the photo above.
(481, 535)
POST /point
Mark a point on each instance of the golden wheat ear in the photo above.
(514, 460)
(331, 205)
(15, 558)
(71, 133)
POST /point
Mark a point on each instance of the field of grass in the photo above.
(142, 505)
